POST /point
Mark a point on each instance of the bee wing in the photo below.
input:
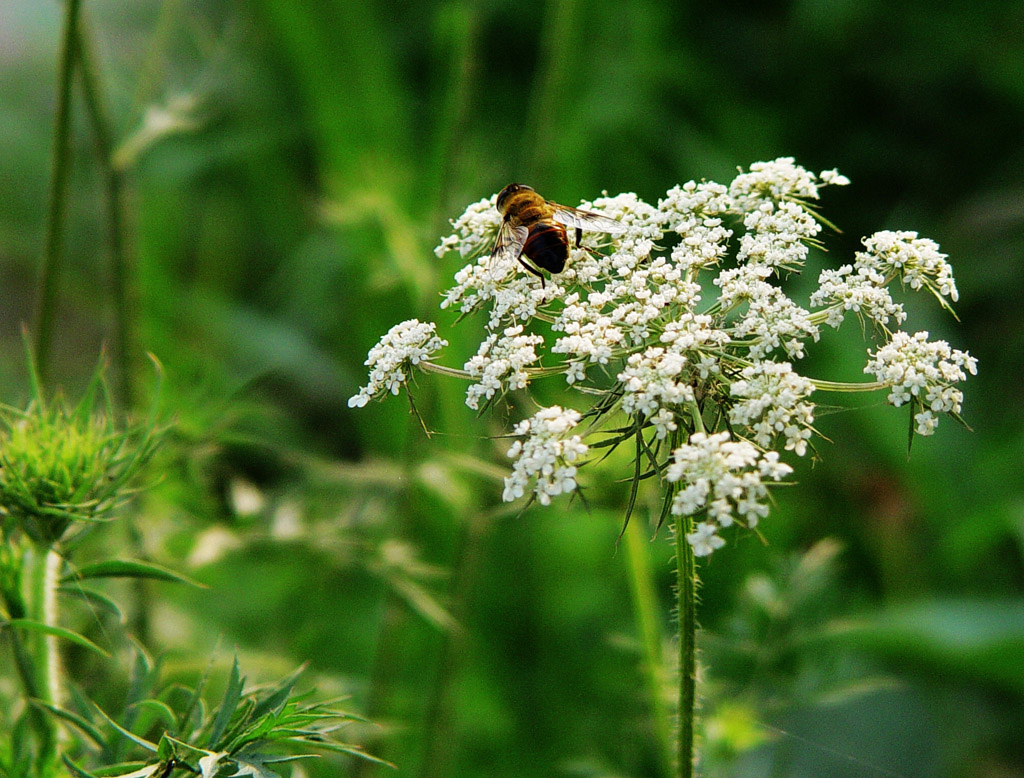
(509, 243)
(585, 220)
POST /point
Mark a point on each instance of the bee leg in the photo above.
(532, 269)
(579, 237)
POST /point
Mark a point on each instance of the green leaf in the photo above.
(254, 766)
(228, 704)
(58, 632)
(277, 695)
(76, 771)
(161, 709)
(151, 747)
(94, 599)
(130, 568)
(142, 772)
(350, 750)
(75, 720)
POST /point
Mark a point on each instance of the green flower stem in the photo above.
(686, 593)
(44, 572)
(112, 179)
(37, 655)
(454, 372)
(49, 611)
(686, 612)
(57, 207)
(847, 386)
(648, 626)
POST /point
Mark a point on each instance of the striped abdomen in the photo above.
(547, 246)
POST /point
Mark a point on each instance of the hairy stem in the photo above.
(50, 616)
(686, 593)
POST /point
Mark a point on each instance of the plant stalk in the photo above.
(50, 616)
(37, 656)
(57, 206)
(645, 612)
(686, 593)
(120, 267)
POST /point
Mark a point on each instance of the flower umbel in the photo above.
(724, 478)
(682, 335)
(546, 461)
(922, 372)
(405, 345)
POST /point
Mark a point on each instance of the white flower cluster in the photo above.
(777, 235)
(692, 204)
(626, 323)
(474, 230)
(545, 461)
(653, 380)
(924, 371)
(643, 223)
(501, 363)
(917, 261)
(772, 320)
(861, 290)
(779, 180)
(405, 344)
(591, 336)
(771, 404)
(725, 478)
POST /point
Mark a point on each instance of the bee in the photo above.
(534, 228)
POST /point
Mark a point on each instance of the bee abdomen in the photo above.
(547, 246)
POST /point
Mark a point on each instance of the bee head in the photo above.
(507, 192)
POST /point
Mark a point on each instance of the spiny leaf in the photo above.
(130, 568)
(278, 694)
(141, 741)
(58, 632)
(85, 726)
(228, 704)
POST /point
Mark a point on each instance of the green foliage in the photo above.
(173, 733)
(287, 169)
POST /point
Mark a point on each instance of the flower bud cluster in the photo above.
(501, 363)
(922, 371)
(727, 479)
(545, 462)
(404, 345)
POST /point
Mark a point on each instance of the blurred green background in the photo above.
(288, 168)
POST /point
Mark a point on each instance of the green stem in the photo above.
(454, 372)
(49, 612)
(686, 593)
(112, 180)
(37, 656)
(56, 211)
(648, 626)
(848, 386)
